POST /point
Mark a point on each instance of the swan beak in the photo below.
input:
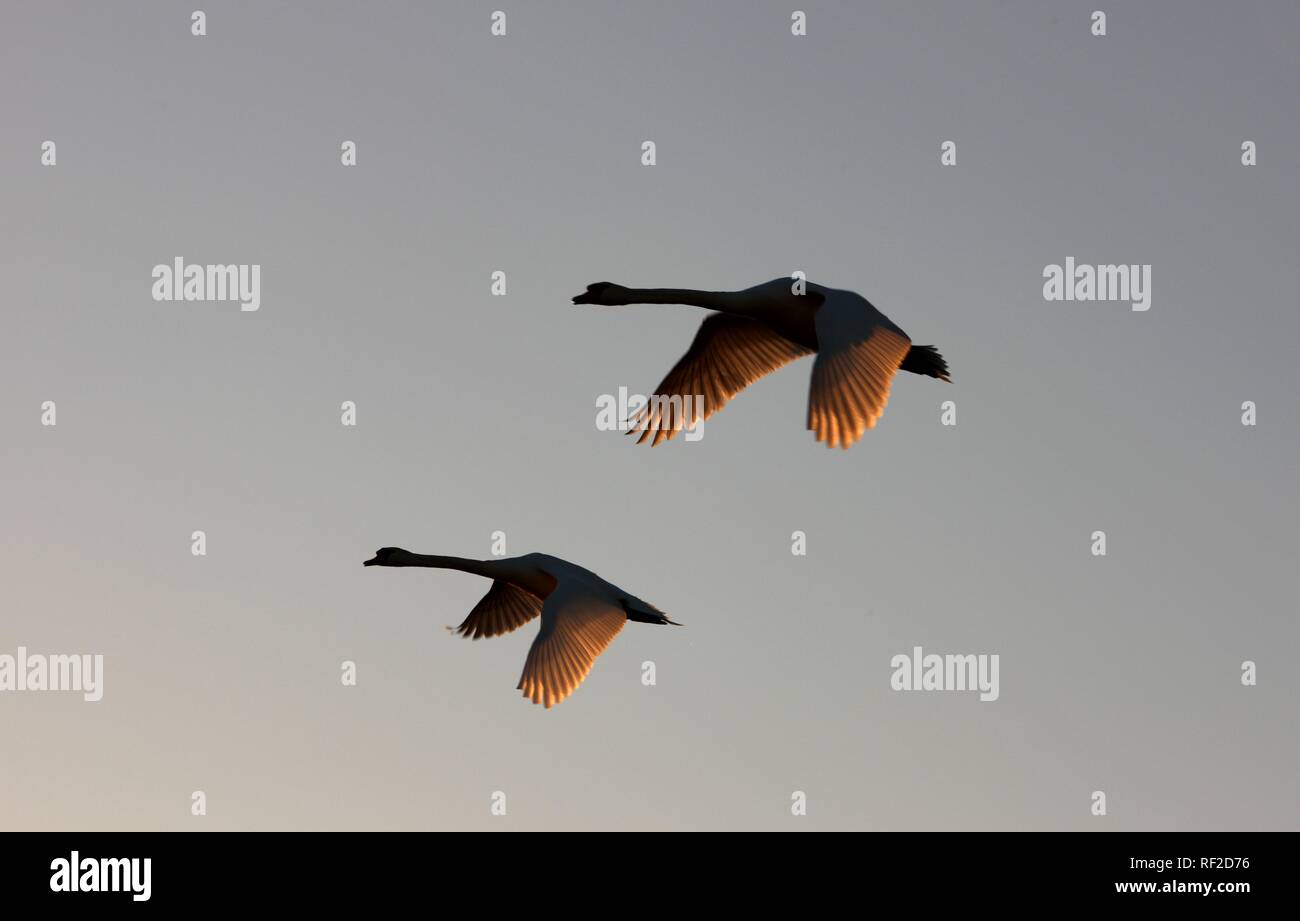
(371, 562)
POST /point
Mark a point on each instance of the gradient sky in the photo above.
(476, 413)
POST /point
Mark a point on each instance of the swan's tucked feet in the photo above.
(604, 293)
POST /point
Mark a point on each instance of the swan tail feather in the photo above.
(926, 360)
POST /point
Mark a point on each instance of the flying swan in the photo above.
(765, 327)
(581, 613)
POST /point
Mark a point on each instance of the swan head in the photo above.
(389, 556)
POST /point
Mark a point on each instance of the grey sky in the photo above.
(476, 413)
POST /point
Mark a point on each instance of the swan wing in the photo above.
(728, 354)
(858, 354)
(505, 607)
(577, 626)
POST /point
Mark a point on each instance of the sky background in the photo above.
(477, 413)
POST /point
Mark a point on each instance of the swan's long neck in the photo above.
(726, 301)
(477, 567)
(529, 578)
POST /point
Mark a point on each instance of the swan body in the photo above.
(580, 613)
(760, 329)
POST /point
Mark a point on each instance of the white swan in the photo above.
(765, 327)
(581, 613)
